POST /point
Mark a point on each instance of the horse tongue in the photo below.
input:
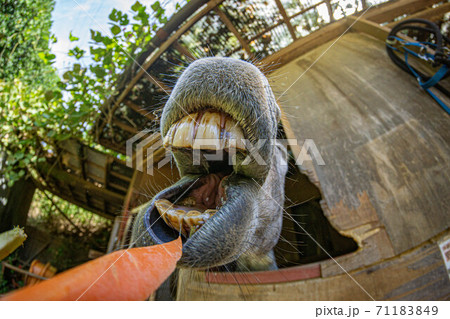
(211, 193)
(186, 220)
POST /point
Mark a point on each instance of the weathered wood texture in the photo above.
(394, 9)
(378, 133)
(432, 14)
(419, 274)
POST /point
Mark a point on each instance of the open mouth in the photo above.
(189, 213)
(205, 146)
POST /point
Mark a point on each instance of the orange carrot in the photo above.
(131, 274)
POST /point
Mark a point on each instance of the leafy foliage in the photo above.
(24, 38)
(31, 115)
(43, 212)
(37, 108)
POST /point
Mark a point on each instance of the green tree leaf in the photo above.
(73, 38)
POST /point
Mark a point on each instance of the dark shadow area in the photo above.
(305, 226)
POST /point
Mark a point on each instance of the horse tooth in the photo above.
(188, 201)
(208, 133)
(184, 131)
(163, 205)
(192, 218)
(168, 139)
(235, 136)
(193, 213)
(210, 212)
(218, 134)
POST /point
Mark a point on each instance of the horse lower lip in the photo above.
(160, 232)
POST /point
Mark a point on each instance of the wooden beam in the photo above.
(303, 45)
(330, 10)
(389, 11)
(71, 199)
(286, 19)
(368, 27)
(431, 14)
(113, 235)
(160, 86)
(233, 30)
(117, 186)
(381, 33)
(139, 110)
(306, 9)
(257, 36)
(124, 126)
(113, 146)
(118, 175)
(183, 50)
(76, 181)
(127, 206)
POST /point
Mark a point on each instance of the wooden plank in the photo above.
(306, 9)
(160, 86)
(303, 45)
(72, 200)
(113, 236)
(183, 50)
(127, 206)
(432, 14)
(233, 30)
(259, 34)
(374, 245)
(368, 27)
(417, 275)
(118, 175)
(264, 277)
(382, 32)
(117, 186)
(389, 11)
(124, 126)
(286, 19)
(77, 182)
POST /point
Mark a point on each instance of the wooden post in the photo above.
(286, 19)
(330, 10)
(233, 30)
(113, 236)
(364, 4)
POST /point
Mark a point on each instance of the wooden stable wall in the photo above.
(385, 181)
(385, 142)
(416, 275)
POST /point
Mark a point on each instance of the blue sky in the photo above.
(78, 17)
